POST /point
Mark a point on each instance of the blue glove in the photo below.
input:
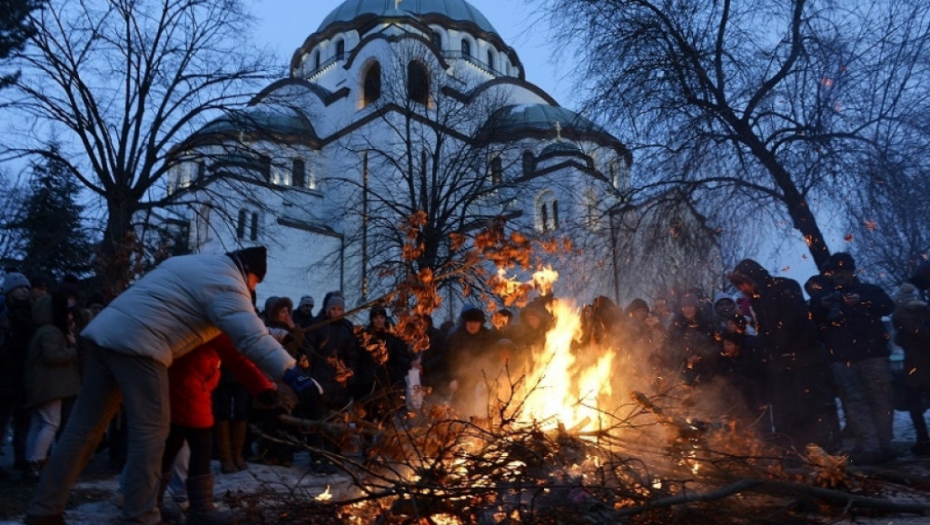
(297, 380)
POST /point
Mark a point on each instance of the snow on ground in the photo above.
(296, 480)
(299, 481)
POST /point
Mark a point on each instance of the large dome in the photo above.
(457, 10)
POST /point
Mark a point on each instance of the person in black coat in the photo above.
(692, 345)
(383, 363)
(16, 329)
(803, 402)
(742, 366)
(469, 349)
(332, 354)
(911, 321)
(849, 314)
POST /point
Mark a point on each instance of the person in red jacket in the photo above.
(192, 379)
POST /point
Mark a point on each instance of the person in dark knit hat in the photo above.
(303, 314)
(183, 303)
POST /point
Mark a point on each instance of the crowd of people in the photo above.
(183, 361)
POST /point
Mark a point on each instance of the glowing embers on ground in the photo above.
(559, 389)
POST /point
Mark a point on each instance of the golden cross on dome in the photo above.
(558, 131)
(397, 4)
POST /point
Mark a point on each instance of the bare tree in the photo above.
(12, 208)
(122, 82)
(419, 159)
(775, 101)
(888, 220)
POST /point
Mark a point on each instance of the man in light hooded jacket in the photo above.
(183, 303)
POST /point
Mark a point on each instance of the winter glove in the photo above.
(287, 398)
(268, 397)
(307, 389)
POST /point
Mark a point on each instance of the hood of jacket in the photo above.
(750, 271)
(42, 311)
(51, 309)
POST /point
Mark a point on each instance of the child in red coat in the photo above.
(192, 379)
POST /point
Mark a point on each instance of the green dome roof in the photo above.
(457, 10)
(286, 121)
(561, 148)
(538, 117)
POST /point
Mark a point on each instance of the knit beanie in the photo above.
(473, 315)
(306, 300)
(335, 300)
(377, 310)
(14, 280)
(252, 260)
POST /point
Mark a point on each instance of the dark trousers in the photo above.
(12, 412)
(916, 406)
(231, 402)
(804, 407)
(200, 441)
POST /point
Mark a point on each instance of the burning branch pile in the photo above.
(644, 466)
(572, 434)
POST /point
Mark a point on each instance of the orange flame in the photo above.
(559, 392)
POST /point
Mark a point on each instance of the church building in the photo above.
(393, 108)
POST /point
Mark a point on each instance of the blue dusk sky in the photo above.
(285, 24)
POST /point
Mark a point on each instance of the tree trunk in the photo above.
(119, 251)
(802, 218)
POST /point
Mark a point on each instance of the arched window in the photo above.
(340, 49)
(436, 39)
(466, 48)
(316, 60)
(299, 173)
(417, 82)
(253, 233)
(491, 60)
(529, 163)
(591, 211)
(250, 221)
(497, 171)
(547, 211)
(240, 225)
(371, 85)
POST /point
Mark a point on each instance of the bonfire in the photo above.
(574, 434)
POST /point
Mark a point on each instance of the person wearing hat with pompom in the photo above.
(183, 303)
(849, 314)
